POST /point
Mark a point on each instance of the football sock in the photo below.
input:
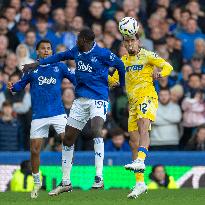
(36, 178)
(142, 153)
(99, 156)
(67, 162)
(139, 177)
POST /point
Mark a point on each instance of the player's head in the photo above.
(131, 44)
(44, 48)
(85, 39)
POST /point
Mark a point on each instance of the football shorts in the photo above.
(40, 127)
(144, 107)
(84, 109)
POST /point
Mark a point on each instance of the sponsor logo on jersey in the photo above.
(44, 80)
(134, 68)
(82, 67)
(112, 56)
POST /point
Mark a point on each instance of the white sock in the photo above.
(99, 156)
(67, 162)
(36, 178)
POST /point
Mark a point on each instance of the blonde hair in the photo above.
(178, 89)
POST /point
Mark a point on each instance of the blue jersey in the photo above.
(92, 69)
(45, 88)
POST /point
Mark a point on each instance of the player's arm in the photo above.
(114, 61)
(66, 55)
(20, 85)
(159, 62)
(68, 74)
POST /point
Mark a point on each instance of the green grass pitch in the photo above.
(108, 197)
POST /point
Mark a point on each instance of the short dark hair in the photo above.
(41, 17)
(87, 34)
(116, 132)
(42, 41)
(185, 11)
(6, 104)
(164, 89)
(196, 75)
(14, 74)
(3, 17)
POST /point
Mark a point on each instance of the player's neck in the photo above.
(135, 53)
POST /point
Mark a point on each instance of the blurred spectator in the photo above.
(160, 179)
(70, 38)
(183, 76)
(193, 116)
(68, 98)
(112, 28)
(17, 5)
(188, 37)
(199, 45)
(197, 142)
(117, 142)
(165, 133)
(196, 63)
(12, 38)
(43, 9)
(11, 64)
(10, 130)
(43, 31)
(70, 13)
(175, 55)
(30, 42)
(3, 50)
(22, 28)
(22, 180)
(177, 94)
(26, 13)
(10, 14)
(95, 14)
(23, 56)
(203, 82)
(98, 31)
(21, 103)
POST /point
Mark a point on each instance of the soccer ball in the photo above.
(128, 26)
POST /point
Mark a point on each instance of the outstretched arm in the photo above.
(20, 85)
(66, 55)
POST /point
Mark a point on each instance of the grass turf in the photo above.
(118, 197)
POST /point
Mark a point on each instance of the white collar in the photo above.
(90, 49)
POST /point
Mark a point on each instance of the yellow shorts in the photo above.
(144, 107)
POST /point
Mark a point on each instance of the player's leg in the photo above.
(96, 126)
(39, 130)
(75, 123)
(98, 111)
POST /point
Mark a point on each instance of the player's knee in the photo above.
(68, 141)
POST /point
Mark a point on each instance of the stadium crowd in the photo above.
(174, 29)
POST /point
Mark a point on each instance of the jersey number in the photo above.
(143, 107)
(100, 104)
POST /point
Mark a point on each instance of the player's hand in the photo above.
(10, 86)
(115, 85)
(30, 66)
(156, 75)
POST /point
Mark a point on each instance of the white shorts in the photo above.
(40, 127)
(84, 109)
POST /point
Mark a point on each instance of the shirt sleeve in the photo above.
(159, 62)
(68, 74)
(114, 61)
(66, 55)
(20, 85)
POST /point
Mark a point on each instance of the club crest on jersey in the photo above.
(44, 80)
(94, 59)
(83, 67)
(134, 68)
(56, 69)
